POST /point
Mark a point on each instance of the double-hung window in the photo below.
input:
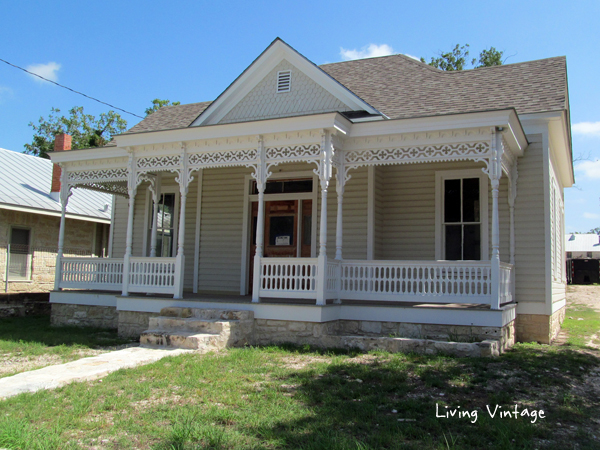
(166, 220)
(461, 216)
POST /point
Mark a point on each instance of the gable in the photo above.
(259, 100)
(305, 97)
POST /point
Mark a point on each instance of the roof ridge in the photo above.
(426, 65)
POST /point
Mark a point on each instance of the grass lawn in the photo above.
(302, 398)
(28, 343)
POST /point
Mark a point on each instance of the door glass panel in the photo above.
(471, 200)
(281, 230)
(452, 200)
(472, 242)
(453, 242)
(306, 230)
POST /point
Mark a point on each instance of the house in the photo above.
(583, 258)
(30, 217)
(378, 197)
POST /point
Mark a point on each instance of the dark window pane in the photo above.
(294, 186)
(274, 187)
(453, 242)
(19, 237)
(452, 201)
(471, 200)
(281, 230)
(306, 230)
(254, 223)
(472, 242)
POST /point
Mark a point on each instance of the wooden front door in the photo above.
(288, 230)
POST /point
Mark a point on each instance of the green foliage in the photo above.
(456, 59)
(488, 58)
(158, 103)
(595, 230)
(86, 130)
(452, 60)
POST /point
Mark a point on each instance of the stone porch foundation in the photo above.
(539, 328)
(365, 335)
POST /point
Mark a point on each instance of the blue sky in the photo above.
(129, 52)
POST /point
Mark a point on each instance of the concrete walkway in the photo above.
(84, 369)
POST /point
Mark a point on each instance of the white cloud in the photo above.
(5, 92)
(413, 57)
(368, 51)
(589, 169)
(587, 128)
(48, 71)
(587, 215)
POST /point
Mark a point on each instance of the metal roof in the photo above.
(25, 183)
(582, 243)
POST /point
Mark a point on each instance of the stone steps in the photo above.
(199, 329)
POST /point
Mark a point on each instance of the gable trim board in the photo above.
(258, 70)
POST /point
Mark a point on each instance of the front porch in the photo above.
(231, 176)
(439, 282)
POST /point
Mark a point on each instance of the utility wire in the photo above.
(72, 90)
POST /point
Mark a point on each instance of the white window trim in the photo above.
(247, 239)
(148, 227)
(440, 177)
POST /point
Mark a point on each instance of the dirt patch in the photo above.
(584, 295)
(11, 363)
(298, 362)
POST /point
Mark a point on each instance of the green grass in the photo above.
(289, 397)
(32, 339)
(583, 325)
(302, 398)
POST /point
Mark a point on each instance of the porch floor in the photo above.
(246, 299)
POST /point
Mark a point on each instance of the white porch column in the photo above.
(184, 180)
(325, 172)
(65, 193)
(131, 190)
(155, 189)
(260, 175)
(512, 195)
(495, 172)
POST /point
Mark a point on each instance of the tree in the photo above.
(158, 103)
(86, 130)
(595, 230)
(456, 59)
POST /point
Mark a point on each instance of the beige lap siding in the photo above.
(221, 228)
(529, 225)
(409, 210)
(354, 220)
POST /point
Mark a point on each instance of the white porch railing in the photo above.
(152, 275)
(436, 281)
(505, 282)
(288, 277)
(91, 273)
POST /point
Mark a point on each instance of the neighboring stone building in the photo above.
(583, 258)
(371, 197)
(30, 221)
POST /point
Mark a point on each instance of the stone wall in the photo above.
(337, 332)
(538, 327)
(133, 323)
(84, 315)
(79, 236)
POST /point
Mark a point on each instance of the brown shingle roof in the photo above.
(401, 87)
(170, 117)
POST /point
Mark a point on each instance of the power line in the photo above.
(72, 90)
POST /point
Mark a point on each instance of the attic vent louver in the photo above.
(284, 81)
